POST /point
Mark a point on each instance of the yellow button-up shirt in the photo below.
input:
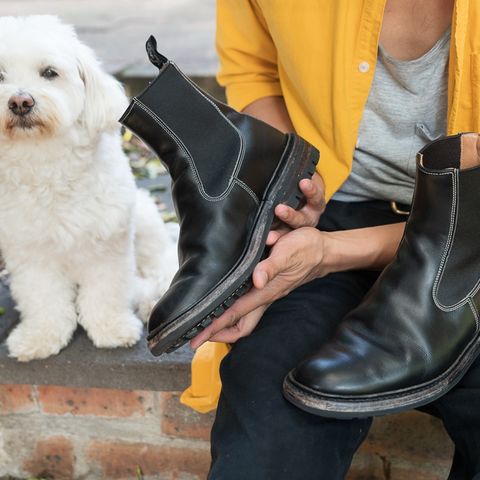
(320, 55)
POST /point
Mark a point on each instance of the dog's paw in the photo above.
(25, 343)
(125, 332)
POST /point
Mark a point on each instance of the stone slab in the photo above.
(81, 364)
(117, 30)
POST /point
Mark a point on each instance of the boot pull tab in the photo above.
(156, 58)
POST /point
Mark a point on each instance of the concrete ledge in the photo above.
(83, 365)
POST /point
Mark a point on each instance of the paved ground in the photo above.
(117, 30)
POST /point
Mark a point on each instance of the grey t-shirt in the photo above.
(406, 108)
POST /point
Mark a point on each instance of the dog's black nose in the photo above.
(21, 103)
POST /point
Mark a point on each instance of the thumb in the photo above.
(260, 277)
(268, 269)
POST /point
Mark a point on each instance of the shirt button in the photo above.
(363, 67)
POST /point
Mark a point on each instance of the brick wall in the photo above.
(407, 446)
(93, 433)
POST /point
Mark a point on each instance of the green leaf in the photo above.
(139, 472)
(169, 217)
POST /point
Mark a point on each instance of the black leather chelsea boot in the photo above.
(417, 331)
(228, 173)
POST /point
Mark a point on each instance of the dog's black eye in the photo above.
(2, 77)
(49, 73)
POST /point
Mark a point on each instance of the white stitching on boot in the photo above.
(189, 156)
(447, 250)
(475, 312)
(248, 190)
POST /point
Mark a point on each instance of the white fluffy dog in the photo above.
(70, 213)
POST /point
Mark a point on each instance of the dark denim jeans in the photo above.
(258, 435)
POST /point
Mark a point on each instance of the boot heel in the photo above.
(306, 158)
(296, 198)
(299, 162)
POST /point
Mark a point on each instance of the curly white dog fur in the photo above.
(70, 213)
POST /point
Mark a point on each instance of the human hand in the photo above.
(295, 259)
(307, 216)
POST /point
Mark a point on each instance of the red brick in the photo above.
(119, 460)
(417, 473)
(371, 466)
(406, 446)
(362, 473)
(16, 399)
(53, 458)
(414, 436)
(94, 401)
(181, 421)
(367, 466)
(403, 468)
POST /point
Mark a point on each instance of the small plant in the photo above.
(139, 473)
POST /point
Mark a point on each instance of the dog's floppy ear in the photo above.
(105, 98)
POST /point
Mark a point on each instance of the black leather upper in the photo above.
(221, 163)
(417, 319)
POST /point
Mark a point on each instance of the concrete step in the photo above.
(117, 31)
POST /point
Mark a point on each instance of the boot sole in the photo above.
(298, 161)
(348, 407)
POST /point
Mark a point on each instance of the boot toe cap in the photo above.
(343, 372)
(330, 374)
